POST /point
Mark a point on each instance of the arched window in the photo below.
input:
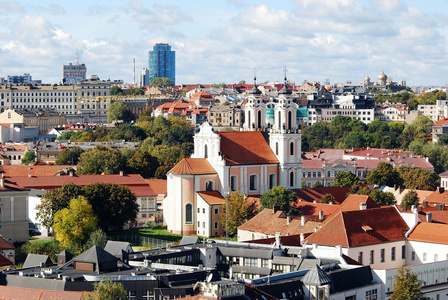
(189, 213)
(248, 119)
(272, 181)
(276, 148)
(253, 182)
(205, 151)
(291, 148)
(279, 120)
(234, 183)
(289, 120)
(209, 186)
(291, 179)
(259, 119)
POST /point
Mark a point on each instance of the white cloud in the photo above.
(11, 6)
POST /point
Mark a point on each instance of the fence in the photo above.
(137, 240)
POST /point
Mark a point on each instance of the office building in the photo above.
(73, 73)
(162, 62)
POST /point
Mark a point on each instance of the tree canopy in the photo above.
(28, 158)
(282, 197)
(161, 81)
(73, 225)
(101, 160)
(69, 156)
(119, 111)
(238, 211)
(407, 285)
(382, 198)
(345, 178)
(384, 174)
(409, 199)
(421, 179)
(108, 290)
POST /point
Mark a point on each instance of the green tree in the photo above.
(384, 174)
(96, 238)
(280, 196)
(407, 285)
(73, 225)
(420, 178)
(115, 90)
(317, 184)
(161, 81)
(422, 124)
(28, 158)
(411, 198)
(358, 140)
(345, 178)
(114, 204)
(382, 198)
(55, 200)
(101, 160)
(238, 211)
(327, 198)
(142, 163)
(66, 135)
(69, 156)
(108, 290)
(119, 111)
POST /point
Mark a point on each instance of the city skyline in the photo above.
(224, 41)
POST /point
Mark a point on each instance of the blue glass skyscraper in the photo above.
(162, 62)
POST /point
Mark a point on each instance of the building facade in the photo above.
(74, 73)
(162, 63)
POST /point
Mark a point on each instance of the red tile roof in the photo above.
(245, 148)
(430, 233)
(439, 196)
(5, 262)
(193, 166)
(353, 202)
(20, 293)
(176, 106)
(346, 228)
(158, 185)
(316, 194)
(36, 170)
(212, 197)
(440, 122)
(201, 95)
(5, 245)
(310, 208)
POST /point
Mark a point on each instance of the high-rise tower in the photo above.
(162, 62)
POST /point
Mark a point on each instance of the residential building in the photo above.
(162, 62)
(439, 128)
(226, 116)
(43, 119)
(392, 113)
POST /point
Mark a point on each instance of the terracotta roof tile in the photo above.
(430, 233)
(193, 166)
(5, 245)
(212, 197)
(246, 147)
(346, 228)
(316, 194)
(440, 122)
(310, 208)
(439, 196)
(36, 170)
(353, 202)
(158, 185)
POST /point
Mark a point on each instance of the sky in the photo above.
(226, 40)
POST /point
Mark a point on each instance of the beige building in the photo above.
(225, 116)
(42, 119)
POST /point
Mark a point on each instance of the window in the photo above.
(291, 148)
(272, 181)
(360, 257)
(132, 295)
(209, 186)
(291, 179)
(264, 263)
(250, 262)
(234, 183)
(403, 252)
(353, 297)
(216, 211)
(372, 255)
(216, 225)
(189, 213)
(205, 151)
(392, 254)
(253, 182)
(424, 257)
(199, 224)
(276, 148)
(383, 254)
(203, 210)
(413, 255)
(372, 295)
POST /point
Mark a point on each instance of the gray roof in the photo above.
(115, 247)
(36, 260)
(316, 276)
(308, 263)
(251, 270)
(95, 255)
(246, 252)
(286, 260)
(186, 240)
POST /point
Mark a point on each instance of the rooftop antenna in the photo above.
(133, 72)
(284, 71)
(255, 77)
(76, 58)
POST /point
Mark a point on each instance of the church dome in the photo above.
(382, 76)
(367, 79)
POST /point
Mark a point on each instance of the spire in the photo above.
(255, 90)
(285, 89)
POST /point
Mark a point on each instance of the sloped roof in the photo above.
(4, 261)
(193, 166)
(159, 186)
(212, 197)
(438, 196)
(245, 148)
(35, 260)
(36, 170)
(5, 245)
(20, 293)
(440, 122)
(114, 247)
(95, 255)
(311, 208)
(316, 276)
(361, 227)
(353, 202)
(430, 233)
(316, 194)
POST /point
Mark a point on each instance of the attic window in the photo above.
(367, 228)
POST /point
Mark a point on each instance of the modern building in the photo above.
(74, 73)
(26, 78)
(162, 62)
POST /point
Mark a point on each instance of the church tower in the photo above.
(254, 110)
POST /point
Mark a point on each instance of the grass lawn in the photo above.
(155, 232)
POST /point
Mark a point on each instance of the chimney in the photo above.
(321, 215)
(429, 217)
(302, 221)
(121, 173)
(276, 208)
(2, 182)
(441, 189)
(288, 220)
(70, 173)
(29, 175)
(425, 204)
(363, 206)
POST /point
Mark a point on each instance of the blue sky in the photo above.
(223, 41)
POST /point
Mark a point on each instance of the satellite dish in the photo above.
(209, 277)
